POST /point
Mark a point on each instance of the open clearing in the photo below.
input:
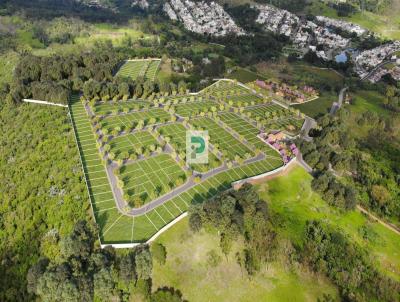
(187, 269)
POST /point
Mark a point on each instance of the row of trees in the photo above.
(125, 88)
(85, 272)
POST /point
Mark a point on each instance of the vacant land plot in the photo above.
(152, 69)
(194, 108)
(136, 68)
(276, 117)
(101, 196)
(248, 131)
(118, 228)
(222, 87)
(122, 106)
(126, 121)
(131, 143)
(152, 177)
(219, 137)
(245, 100)
(176, 135)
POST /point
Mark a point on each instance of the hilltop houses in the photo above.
(202, 17)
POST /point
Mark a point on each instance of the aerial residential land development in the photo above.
(199, 150)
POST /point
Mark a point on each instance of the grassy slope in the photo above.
(293, 202)
(187, 269)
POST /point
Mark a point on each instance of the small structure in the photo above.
(281, 143)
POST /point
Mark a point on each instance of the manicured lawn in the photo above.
(132, 142)
(121, 106)
(145, 68)
(151, 177)
(193, 108)
(219, 136)
(100, 192)
(176, 134)
(187, 269)
(292, 200)
(126, 121)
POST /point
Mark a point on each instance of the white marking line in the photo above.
(99, 186)
(133, 225)
(116, 220)
(183, 200)
(151, 222)
(112, 199)
(176, 206)
(94, 166)
(97, 194)
(100, 211)
(104, 177)
(160, 216)
(168, 211)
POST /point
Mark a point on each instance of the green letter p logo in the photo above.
(197, 147)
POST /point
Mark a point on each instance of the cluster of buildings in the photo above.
(370, 60)
(304, 34)
(383, 70)
(287, 92)
(202, 17)
(342, 25)
(278, 141)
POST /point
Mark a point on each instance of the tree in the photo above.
(143, 262)
(195, 222)
(166, 294)
(104, 285)
(159, 253)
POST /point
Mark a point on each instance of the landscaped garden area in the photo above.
(133, 152)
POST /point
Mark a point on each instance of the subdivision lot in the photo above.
(176, 134)
(246, 99)
(130, 143)
(194, 108)
(226, 143)
(276, 117)
(151, 177)
(101, 196)
(119, 228)
(133, 69)
(248, 131)
(120, 106)
(125, 121)
(226, 88)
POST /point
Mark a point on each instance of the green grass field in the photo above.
(135, 68)
(150, 178)
(176, 134)
(130, 143)
(228, 144)
(318, 107)
(292, 200)
(187, 269)
(126, 121)
(122, 106)
(244, 75)
(193, 108)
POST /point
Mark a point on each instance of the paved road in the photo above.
(309, 124)
(337, 105)
(371, 73)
